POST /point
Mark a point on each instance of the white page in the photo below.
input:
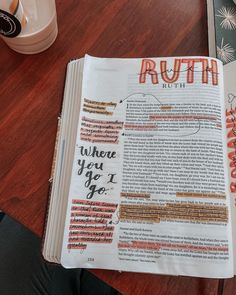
(149, 188)
(230, 100)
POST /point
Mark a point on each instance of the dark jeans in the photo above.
(23, 271)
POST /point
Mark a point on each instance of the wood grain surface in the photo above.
(31, 91)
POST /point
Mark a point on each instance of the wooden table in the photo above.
(31, 90)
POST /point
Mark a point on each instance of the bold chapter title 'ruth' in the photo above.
(150, 69)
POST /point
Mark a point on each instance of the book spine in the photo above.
(55, 150)
(51, 181)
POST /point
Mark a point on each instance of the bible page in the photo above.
(149, 189)
(230, 104)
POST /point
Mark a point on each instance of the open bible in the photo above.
(144, 167)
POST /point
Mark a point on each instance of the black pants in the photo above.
(23, 271)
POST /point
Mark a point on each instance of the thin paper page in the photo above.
(230, 101)
(149, 190)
